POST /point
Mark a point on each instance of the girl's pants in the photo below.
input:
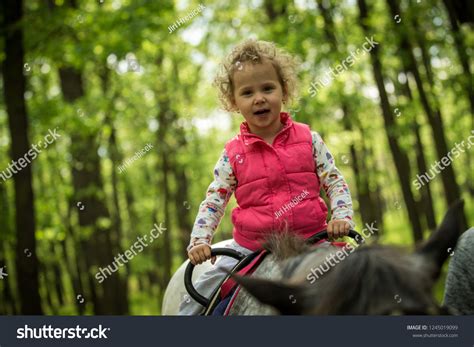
(208, 281)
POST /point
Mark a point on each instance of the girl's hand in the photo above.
(338, 228)
(200, 253)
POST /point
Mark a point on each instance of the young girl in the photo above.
(275, 166)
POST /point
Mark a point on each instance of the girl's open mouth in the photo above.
(263, 112)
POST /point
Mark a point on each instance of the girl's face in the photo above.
(258, 95)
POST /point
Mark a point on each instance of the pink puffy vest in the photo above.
(277, 185)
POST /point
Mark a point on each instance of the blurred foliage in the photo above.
(132, 67)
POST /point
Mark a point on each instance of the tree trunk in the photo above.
(27, 269)
(58, 285)
(400, 158)
(74, 263)
(463, 56)
(275, 9)
(367, 206)
(130, 199)
(466, 79)
(182, 204)
(98, 250)
(87, 184)
(182, 208)
(116, 158)
(426, 200)
(165, 169)
(10, 301)
(52, 267)
(165, 116)
(50, 307)
(374, 198)
(448, 177)
(7, 301)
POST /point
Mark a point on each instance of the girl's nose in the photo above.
(259, 98)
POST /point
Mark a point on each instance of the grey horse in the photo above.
(297, 278)
(372, 280)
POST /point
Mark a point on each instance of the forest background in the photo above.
(110, 128)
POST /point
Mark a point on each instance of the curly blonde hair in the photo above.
(255, 52)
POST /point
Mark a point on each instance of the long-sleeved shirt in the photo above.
(221, 189)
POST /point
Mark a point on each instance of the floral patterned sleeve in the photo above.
(212, 208)
(332, 181)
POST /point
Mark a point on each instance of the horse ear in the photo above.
(443, 241)
(287, 299)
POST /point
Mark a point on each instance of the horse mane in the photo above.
(284, 245)
(376, 280)
(373, 279)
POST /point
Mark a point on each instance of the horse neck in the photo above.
(296, 269)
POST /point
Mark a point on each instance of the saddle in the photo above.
(223, 297)
(220, 299)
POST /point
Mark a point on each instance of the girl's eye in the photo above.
(247, 92)
(268, 88)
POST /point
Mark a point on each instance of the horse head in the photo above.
(373, 279)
